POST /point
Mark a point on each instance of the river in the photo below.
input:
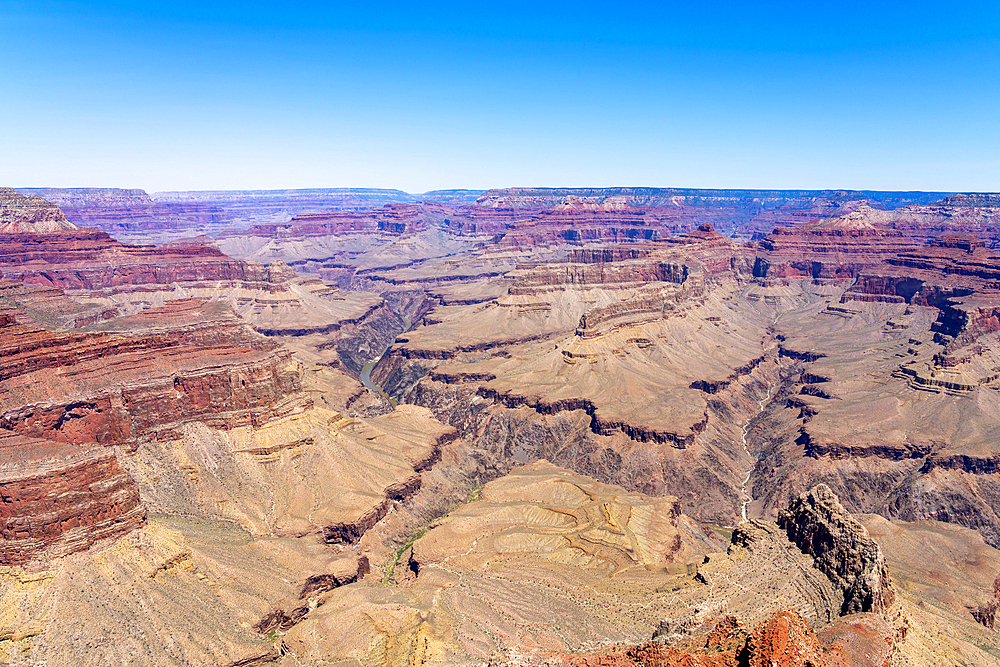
(366, 370)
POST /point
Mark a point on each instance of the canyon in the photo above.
(620, 426)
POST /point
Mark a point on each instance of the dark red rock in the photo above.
(57, 498)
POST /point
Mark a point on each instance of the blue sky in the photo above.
(203, 95)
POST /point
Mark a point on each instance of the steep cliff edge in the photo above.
(841, 547)
(67, 397)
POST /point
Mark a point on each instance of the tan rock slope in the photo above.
(547, 562)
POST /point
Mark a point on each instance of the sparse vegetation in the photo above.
(399, 553)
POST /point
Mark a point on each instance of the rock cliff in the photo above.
(58, 498)
(841, 547)
(829, 249)
(30, 215)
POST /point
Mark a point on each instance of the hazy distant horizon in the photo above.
(483, 190)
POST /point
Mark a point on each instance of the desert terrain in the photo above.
(524, 426)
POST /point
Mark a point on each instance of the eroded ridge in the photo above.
(821, 527)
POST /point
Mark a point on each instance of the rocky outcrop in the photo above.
(975, 213)
(987, 612)
(582, 275)
(782, 640)
(394, 219)
(648, 303)
(56, 498)
(841, 547)
(313, 593)
(30, 215)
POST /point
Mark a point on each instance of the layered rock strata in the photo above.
(666, 211)
(557, 367)
(20, 214)
(58, 498)
(106, 389)
(829, 249)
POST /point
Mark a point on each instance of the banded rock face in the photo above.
(56, 498)
(100, 388)
(829, 249)
(66, 397)
(31, 215)
(821, 527)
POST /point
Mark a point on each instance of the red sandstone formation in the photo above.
(953, 265)
(20, 214)
(783, 640)
(131, 212)
(91, 260)
(109, 389)
(50, 254)
(64, 395)
(833, 249)
(57, 498)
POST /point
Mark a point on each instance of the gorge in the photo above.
(621, 426)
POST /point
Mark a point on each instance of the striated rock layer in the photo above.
(20, 214)
(56, 499)
(831, 249)
(62, 394)
(112, 389)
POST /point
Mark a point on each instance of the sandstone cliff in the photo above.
(58, 499)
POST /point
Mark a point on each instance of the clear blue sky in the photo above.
(205, 95)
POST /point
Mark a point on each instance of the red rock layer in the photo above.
(56, 499)
(956, 274)
(116, 210)
(783, 640)
(88, 260)
(827, 249)
(953, 265)
(49, 306)
(63, 395)
(185, 360)
(672, 260)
